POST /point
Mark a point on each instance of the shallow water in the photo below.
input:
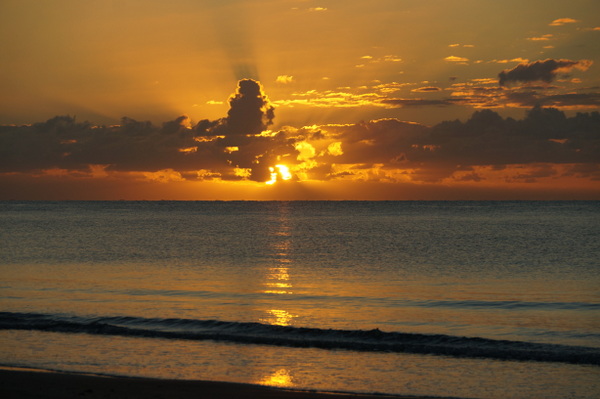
(434, 272)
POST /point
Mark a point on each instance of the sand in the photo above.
(26, 384)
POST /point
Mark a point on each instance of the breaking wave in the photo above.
(265, 334)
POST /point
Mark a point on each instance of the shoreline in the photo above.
(25, 383)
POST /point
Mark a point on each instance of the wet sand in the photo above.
(29, 384)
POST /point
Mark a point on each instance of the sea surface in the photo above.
(462, 299)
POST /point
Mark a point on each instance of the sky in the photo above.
(299, 99)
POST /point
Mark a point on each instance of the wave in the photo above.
(265, 334)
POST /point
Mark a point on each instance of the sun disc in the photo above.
(279, 172)
(284, 172)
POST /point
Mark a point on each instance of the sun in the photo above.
(279, 172)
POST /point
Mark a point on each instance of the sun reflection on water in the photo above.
(277, 278)
(278, 317)
(281, 378)
(278, 281)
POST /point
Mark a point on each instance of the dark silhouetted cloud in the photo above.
(544, 136)
(238, 146)
(250, 112)
(540, 71)
(573, 100)
(229, 147)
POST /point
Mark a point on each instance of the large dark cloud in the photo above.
(234, 147)
(540, 71)
(249, 113)
(545, 135)
(220, 146)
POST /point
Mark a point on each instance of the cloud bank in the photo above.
(239, 147)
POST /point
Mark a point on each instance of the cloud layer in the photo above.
(545, 144)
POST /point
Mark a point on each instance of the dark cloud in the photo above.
(379, 141)
(540, 71)
(545, 135)
(528, 96)
(572, 100)
(236, 147)
(534, 173)
(220, 146)
(176, 126)
(250, 112)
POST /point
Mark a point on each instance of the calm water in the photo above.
(468, 299)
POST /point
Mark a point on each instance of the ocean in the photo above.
(463, 299)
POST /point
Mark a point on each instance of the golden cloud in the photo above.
(562, 21)
(284, 79)
(456, 59)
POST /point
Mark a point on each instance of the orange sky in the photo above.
(386, 99)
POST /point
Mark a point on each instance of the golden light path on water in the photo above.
(278, 275)
(278, 280)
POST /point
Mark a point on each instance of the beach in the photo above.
(31, 384)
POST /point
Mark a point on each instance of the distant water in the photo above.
(467, 299)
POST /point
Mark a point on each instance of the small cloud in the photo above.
(426, 89)
(213, 102)
(164, 176)
(562, 21)
(541, 38)
(386, 58)
(391, 58)
(596, 28)
(454, 45)
(314, 9)
(390, 87)
(519, 60)
(453, 58)
(485, 81)
(284, 79)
